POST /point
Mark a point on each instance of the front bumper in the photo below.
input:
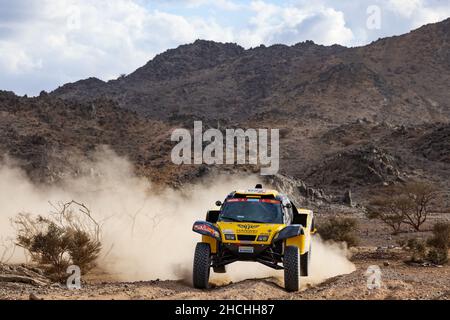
(245, 251)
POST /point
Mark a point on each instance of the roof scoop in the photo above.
(258, 186)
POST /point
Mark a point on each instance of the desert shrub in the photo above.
(408, 203)
(441, 235)
(45, 241)
(339, 229)
(83, 249)
(7, 249)
(389, 209)
(66, 237)
(439, 242)
(422, 197)
(435, 249)
(417, 248)
(438, 255)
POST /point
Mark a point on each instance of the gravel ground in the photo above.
(398, 281)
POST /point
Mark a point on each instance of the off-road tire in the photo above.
(305, 262)
(221, 269)
(291, 262)
(202, 263)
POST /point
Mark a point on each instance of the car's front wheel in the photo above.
(202, 263)
(291, 264)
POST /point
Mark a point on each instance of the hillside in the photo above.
(350, 118)
(401, 79)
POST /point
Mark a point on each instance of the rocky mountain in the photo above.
(48, 136)
(403, 79)
(349, 118)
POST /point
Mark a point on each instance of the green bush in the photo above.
(340, 230)
(435, 249)
(418, 249)
(439, 242)
(438, 256)
(61, 240)
(441, 235)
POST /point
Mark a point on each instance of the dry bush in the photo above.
(440, 242)
(441, 235)
(388, 209)
(418, 249)
(409, 203)
(422, 197)
(7, 249)
(339, 229)
(438, 256)
(435, 249)
(68, 236)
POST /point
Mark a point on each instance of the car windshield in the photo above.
(252, 210)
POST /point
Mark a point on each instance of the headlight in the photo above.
(263, 238)
(230, 236)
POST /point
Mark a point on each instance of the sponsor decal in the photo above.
(204, 227)
(237, 200)
(253, 200)
(257, 190)
(270, 201)
(248, 226)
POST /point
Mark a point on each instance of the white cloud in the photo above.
(71, 40)
(292, 24)
(221, 4)
(15, 60)
(405, 7)
(420, 12)
(45, 43)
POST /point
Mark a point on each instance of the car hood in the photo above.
(249, 228)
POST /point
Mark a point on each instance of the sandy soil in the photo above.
(398, 281)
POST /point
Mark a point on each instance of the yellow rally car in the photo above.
(255, 225)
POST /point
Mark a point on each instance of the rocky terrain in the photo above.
(398, 281)
(351, 120)
(400, 79)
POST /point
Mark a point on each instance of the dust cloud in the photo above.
(328, 260)
(146, 231)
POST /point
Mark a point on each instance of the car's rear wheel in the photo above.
(291, 264)
(202, 263)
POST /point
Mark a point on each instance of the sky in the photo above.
(46, 43)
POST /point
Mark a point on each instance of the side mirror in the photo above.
(313, 231)
(218, 203)
(212, 216)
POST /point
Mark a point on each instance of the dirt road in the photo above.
(398, 281)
